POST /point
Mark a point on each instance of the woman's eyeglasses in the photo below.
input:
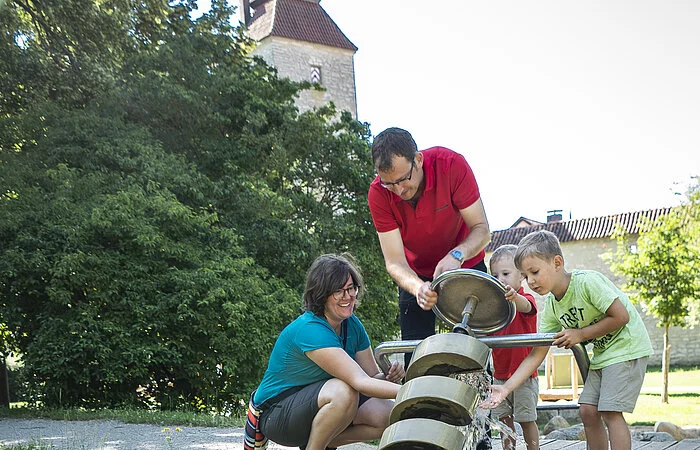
(351, 291)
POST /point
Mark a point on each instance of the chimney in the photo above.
(245, 12)
(554, 215)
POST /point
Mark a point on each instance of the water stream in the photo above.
(474, 432)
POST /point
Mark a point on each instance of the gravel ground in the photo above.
(108, 435)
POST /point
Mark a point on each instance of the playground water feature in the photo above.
(432, 411)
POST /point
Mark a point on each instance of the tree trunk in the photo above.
(665, 362)
(4, 384)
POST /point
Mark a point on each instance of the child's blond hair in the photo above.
(502, 252)
(542, 244)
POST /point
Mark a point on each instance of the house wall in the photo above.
(588, 254)
(295, 60)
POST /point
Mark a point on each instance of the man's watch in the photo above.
(458, 255)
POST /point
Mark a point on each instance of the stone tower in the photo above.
(302, 42)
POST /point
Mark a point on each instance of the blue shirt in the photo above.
(289, 366)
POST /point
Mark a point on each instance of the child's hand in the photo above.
(511, 294)
(498, 393)
(568, 337)
(520, 302)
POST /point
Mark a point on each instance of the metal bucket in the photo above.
(421, 434)
(446, 354)
(439, 398)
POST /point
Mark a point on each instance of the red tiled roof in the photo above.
(302, 20)
(525, 222)
(579, 229)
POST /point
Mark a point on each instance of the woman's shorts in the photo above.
(288, 422)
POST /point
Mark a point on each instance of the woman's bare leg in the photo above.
(370, 422)
(337, 403)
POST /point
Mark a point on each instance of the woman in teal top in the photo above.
(322, 386)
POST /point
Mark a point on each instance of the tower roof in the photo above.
(302, 20)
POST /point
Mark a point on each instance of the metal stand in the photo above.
(474, 304)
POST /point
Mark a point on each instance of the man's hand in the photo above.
(449, 262)
(568, 337)
(426, 297)
(498, 393)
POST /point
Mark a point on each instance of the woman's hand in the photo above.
(396, 373)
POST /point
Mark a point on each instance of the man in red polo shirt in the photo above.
(429, 217)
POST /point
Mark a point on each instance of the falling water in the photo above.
(481, 381)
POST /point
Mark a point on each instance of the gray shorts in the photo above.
(521, 403)
(288, 422)
(615, 387)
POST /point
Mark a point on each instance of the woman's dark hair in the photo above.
(327, 274)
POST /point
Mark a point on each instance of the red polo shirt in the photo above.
(435, 226)
(507, 360)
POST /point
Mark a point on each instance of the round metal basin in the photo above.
(483, 294)
(438, 398)
(421, 434)
(446, 354)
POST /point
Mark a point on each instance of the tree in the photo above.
(663, 271)
(112, 283)
(162, 199)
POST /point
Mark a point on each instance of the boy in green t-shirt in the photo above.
(584, 306)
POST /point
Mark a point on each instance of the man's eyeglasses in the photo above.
(351, 291)
(392, 184)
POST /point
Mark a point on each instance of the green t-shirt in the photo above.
(589, 295)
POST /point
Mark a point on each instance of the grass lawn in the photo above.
(683, 407)
(163, 418)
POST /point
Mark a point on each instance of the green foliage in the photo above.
(663, 272)
(161, 201)
(107, 269)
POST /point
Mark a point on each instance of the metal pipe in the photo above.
(384, 349)
(518, 340)
(582, 360)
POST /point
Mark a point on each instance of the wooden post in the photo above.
(548, 362)
(574, 377)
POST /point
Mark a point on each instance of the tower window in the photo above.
(316, 74)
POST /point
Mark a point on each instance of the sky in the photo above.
(588, 107)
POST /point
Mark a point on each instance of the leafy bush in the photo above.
(162, 201)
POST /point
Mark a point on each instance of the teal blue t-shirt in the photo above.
(585, 302)
(289, 366)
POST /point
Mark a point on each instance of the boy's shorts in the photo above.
(521, 403)
(288, 422)
(615, 387)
